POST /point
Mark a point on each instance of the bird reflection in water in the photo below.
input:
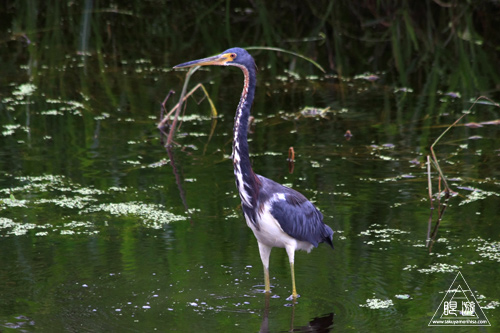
(318, 324)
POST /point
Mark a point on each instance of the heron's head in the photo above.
(232, 57)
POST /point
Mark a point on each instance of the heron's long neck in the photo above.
(246, 180)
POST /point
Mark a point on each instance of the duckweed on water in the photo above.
(435, 268)
(46, 190)
(375, 303)
(10, 129)
(440, 268)
(76, 202)
(51, 113)
(381, 235)
(16, 229)
(10, 202)
(26, 89)
(158, 164)
(152, 215)
(476, 195)
(491, 305)
(489, 250)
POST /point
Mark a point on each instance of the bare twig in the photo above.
(162, 123)
(429, 182)
(177, 108)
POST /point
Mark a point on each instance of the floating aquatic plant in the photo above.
(489, 250)
(402, 296)
(10, 129)
(440, 268)
(46, 190)
(152, 215)
(14, 228)
(375, 303)
(383, 233)
(77, 202)
(476, 195)
(26, 89)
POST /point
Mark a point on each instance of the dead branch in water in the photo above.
(165, 119)
(432, 159)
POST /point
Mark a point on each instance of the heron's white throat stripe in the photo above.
(244, 195)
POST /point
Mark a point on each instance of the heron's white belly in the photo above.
(271, 234)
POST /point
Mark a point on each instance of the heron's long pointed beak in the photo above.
(218, 60)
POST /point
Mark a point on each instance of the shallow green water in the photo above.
(98, 231)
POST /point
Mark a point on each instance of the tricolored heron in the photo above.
(278, 216)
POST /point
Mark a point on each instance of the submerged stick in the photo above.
(429, 186)
(162, 124)
(442, 209)
(429, 182)
(163, 107)
(447, 190)
(178, 180)
(179, 105)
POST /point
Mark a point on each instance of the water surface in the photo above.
(103, 229)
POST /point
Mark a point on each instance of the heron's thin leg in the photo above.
(291, 255)
(266, 280)
(294, 292)
(265, 252)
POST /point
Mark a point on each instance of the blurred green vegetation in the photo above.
(423, 45)
(115, 57)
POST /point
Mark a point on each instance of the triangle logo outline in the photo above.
(473, 314)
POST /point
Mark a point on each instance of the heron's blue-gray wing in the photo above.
(299, 218)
